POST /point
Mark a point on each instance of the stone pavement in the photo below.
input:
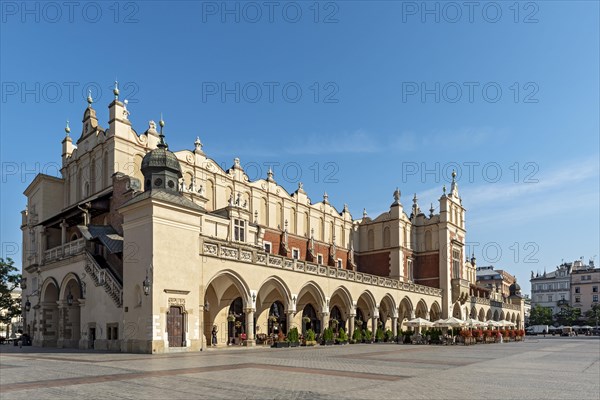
(539, 368)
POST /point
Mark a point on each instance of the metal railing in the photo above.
(104, 277)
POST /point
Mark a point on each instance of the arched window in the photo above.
(370, 240)
(428, 245)
(386, 236)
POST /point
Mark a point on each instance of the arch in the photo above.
(389, 304)
(209, 193)
(368, 299)
(457, 311)
(386, 236)
(421, 310)
(313, 289)
(501, 315)
(277, 284)
(50, 290)
(406, 309)
(236, 279)
(496, 316)
(345, 295)
(277, 320)
(481, 315)
(488, 315)
(310, 319)
(65, 285)
(473, 313)
(435, 312)
(370, 240)
(428, 245)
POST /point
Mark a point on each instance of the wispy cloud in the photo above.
(347, 142)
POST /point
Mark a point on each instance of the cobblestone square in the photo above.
(539, 368)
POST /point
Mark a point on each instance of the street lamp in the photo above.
(146, 285)
(27, 305)
(70, 298)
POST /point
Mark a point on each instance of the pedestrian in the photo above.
(214, 335)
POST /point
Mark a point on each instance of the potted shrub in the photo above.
(368, 336)
(309, 339)
(281, 341)
(328, 337)
(379, 335)
(388, 336)
(293, 337)
(342, 337)
(357, 336)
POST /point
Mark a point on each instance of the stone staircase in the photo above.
(105, 278)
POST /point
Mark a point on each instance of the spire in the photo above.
(364, 213)
(454, 185)
(431, 210)
(116, 90)
(89, 98)
(67, 129)
(415, 208)
(325, 198)
(161, 144)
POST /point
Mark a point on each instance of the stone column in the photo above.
(351, 325)
(324, 321)
(395, 326)
(289, 319)
(412, 314)
(249, 327)
(63, 232)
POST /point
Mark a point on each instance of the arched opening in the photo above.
(310, 320)
(421, 310)
(312, 295)
(435, 312)
(405, 311)
(456, 311)
(49, 310)
(496, 316)
(69, 313)
(236, 319)
(481, 315)
(473, 313)
(224, 309)
(336, 320)
(339, 308)
(277, 321)
(359, 320)
(370, 240)
(488, 316)
(386, 236)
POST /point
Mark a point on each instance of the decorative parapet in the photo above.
(493, 303)
(232, 251)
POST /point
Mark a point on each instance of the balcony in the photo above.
(67, 250)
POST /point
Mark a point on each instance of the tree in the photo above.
(567, 315)
(593, 315)
(540, 316)
(9, 307)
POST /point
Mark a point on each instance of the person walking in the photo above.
(214, 335)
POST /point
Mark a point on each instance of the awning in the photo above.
(105, 234)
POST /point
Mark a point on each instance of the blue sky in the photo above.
(359, 97)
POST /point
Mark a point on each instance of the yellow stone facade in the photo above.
(113, 261)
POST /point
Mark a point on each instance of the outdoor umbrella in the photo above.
(474, 323)
(440, 323)
(455, 322)
(418, 322)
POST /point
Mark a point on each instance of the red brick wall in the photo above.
(426, 270)
(376, 264)
(302, 243)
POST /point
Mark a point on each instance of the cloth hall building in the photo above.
(139, 249)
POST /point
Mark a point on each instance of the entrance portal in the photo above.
(175, 327)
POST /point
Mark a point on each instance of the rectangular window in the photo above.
(549, 297)
(456, 263)
(112, 331)
(239, 230)
(320, 259)
(411, 277)
(563, 285)
(562, 296)
(296, 254)
(339, 263)
(577, 299)
(577, 290)
(594, 289)
(268, 246)
(595, 298)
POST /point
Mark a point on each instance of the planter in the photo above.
(294, 344)
(342, 342)
(327, 343)
(279, 345)
(309, 343)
